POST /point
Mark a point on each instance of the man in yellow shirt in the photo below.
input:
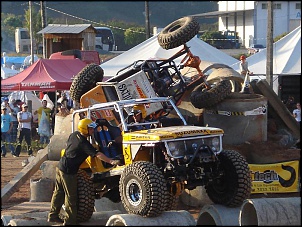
(44, 114)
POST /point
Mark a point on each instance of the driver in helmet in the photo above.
(139, 114)
(77, 150)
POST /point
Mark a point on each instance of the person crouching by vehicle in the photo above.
(77, 150)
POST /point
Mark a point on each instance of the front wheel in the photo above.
(142, 189)
(232, 184)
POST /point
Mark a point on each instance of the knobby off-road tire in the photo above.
(235, 185)
(171, 201)
(142, 189)
(85, 80)
(178, 33)
(202, 98)
(86, 197)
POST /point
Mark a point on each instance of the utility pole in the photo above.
(31, 33)
(147, 19)
(43, 19)
(269, 44)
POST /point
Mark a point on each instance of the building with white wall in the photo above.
(249, 19)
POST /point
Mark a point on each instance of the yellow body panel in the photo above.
(93, 163)
(95, 96)
(173, 132)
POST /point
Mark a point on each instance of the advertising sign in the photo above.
(137, 86)
(275, 178)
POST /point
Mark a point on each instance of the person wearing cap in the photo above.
(244, 69)
(6, 129)
(6, 104)
(44, 125)
(24, 118)
(77, 150)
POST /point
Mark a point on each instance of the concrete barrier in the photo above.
(100, 218)
(48, 169)
(40, 218)
(271, 212)
(197, 197)
(56, 144)
(218, 215)
(26, 216)
(240, 116)
(168, 218)
(41, 189)
(105, 204)
(29, 222)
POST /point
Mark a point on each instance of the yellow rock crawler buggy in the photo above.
(160, 158)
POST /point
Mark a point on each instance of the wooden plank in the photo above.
(8, 190)
(279, 107)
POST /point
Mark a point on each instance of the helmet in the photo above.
(83, 125)
(140, 109)
(242, 57)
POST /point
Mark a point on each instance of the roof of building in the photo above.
(219, 13)
(64, 28)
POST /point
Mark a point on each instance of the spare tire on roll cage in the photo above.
(178, 32)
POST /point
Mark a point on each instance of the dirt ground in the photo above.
(265, 152)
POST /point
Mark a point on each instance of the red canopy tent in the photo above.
(45, 75)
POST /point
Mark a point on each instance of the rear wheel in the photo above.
(85, 80)
(86, 197)
(178, 32)
(233, 184)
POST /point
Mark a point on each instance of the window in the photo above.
(264, 5)
(277, 6)
(25, 48)
(24, 35)
(298, 5)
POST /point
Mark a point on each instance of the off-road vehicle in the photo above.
(158, 163)
(154, 77)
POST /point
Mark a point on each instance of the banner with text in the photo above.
(279, 177)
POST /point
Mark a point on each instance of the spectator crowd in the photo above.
(18, 124)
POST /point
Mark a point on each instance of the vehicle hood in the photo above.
(172, 132)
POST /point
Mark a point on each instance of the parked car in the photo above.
(255, 48)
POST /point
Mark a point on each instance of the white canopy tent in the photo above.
(24, 96)
(151, 49)
(286, 56)
(7, 72)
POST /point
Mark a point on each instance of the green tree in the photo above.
(119, 29)
(135, 35)
(36, 24)
(211, 37)
(9, 22)
(277, 38)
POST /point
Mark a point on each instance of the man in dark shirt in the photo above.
(77, 150)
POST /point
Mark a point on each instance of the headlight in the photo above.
(176, 149)
(215, 144)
